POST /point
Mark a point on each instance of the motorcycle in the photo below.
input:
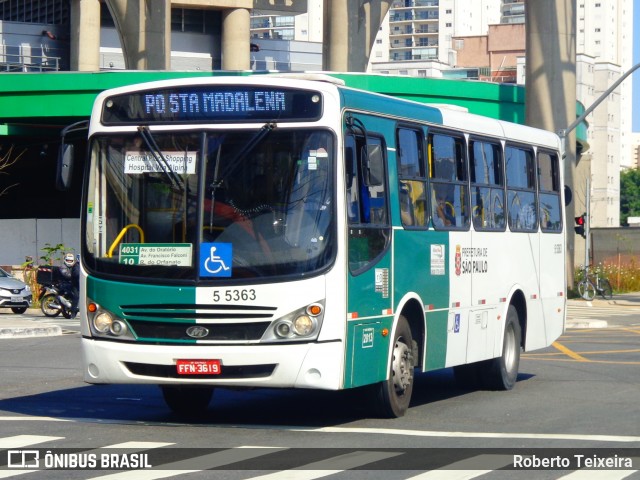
(56, 297)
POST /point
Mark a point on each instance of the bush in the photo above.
(623, 278)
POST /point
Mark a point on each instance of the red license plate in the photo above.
(198, 367)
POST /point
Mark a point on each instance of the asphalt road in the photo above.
(577, 397)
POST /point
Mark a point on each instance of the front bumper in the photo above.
(15, 301)
(302, 365)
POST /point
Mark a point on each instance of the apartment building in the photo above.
(486, 40)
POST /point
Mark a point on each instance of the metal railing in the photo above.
(28, 63)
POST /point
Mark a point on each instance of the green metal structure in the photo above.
(39, 104)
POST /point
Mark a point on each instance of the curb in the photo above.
(18, 328)
(577, 324)
(26, 332)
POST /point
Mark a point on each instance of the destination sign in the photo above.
(166, 254)
(212, 103)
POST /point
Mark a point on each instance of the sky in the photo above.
(636, 59)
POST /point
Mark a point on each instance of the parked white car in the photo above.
(14, 293)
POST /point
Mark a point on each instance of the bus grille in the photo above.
(217, 331)
(224, 323)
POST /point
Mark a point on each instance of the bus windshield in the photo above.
(214, 205)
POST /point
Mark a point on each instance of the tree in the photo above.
(6, 161)
(629, 195)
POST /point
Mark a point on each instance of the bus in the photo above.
(286, 231)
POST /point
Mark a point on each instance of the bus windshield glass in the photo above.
(211, 206)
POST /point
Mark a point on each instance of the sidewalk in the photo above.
(624, 300)
(13, 327)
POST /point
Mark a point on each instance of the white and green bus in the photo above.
(288, 231)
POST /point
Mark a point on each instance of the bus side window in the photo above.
(367, 210)
(487, 185)
(549, 196)
(412, 178)
(448, 182)
(351, 180)
(521, 189)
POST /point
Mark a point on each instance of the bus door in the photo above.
(552, 268)
(369, 308)
(488, 256)
(450, 211)
(524, 224)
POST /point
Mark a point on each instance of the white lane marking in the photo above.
(33, 419)
(182, 467)
(329, 466)
(468, 468)
(19, 441)
(427, 433)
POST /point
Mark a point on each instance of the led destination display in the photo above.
(212, 104)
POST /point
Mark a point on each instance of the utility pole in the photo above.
(550, 95)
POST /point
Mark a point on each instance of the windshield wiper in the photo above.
(160, 159)
(260, 135)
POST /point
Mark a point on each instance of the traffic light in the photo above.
(580, 224)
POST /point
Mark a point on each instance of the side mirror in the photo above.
(64, 171)
(568, 195)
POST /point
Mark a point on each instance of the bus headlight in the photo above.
(302, 324)
(103, 323)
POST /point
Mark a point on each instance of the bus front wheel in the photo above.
(394, 394)
(187, 399)
(501, 373)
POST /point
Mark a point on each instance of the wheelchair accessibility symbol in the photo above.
(216, 259)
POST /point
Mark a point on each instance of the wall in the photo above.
(615, 245)
(26, 237)
(33, 47)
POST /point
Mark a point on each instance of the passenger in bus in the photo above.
(443, 214)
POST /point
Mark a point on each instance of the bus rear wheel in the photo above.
(394, 394)
(187, 400)
(501, 373)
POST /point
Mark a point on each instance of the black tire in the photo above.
(394, 395)
(501, 373)
(45, 305)
(607, 291)
(69, 314)
(187, 400)
(18, 309)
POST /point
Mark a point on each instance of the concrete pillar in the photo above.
(85, 35)
(350, 28)
(550, 98)
(235, 39)
(144, 27)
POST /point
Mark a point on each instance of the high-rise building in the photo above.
(416, 36)
(437, 37)
(604, 50)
